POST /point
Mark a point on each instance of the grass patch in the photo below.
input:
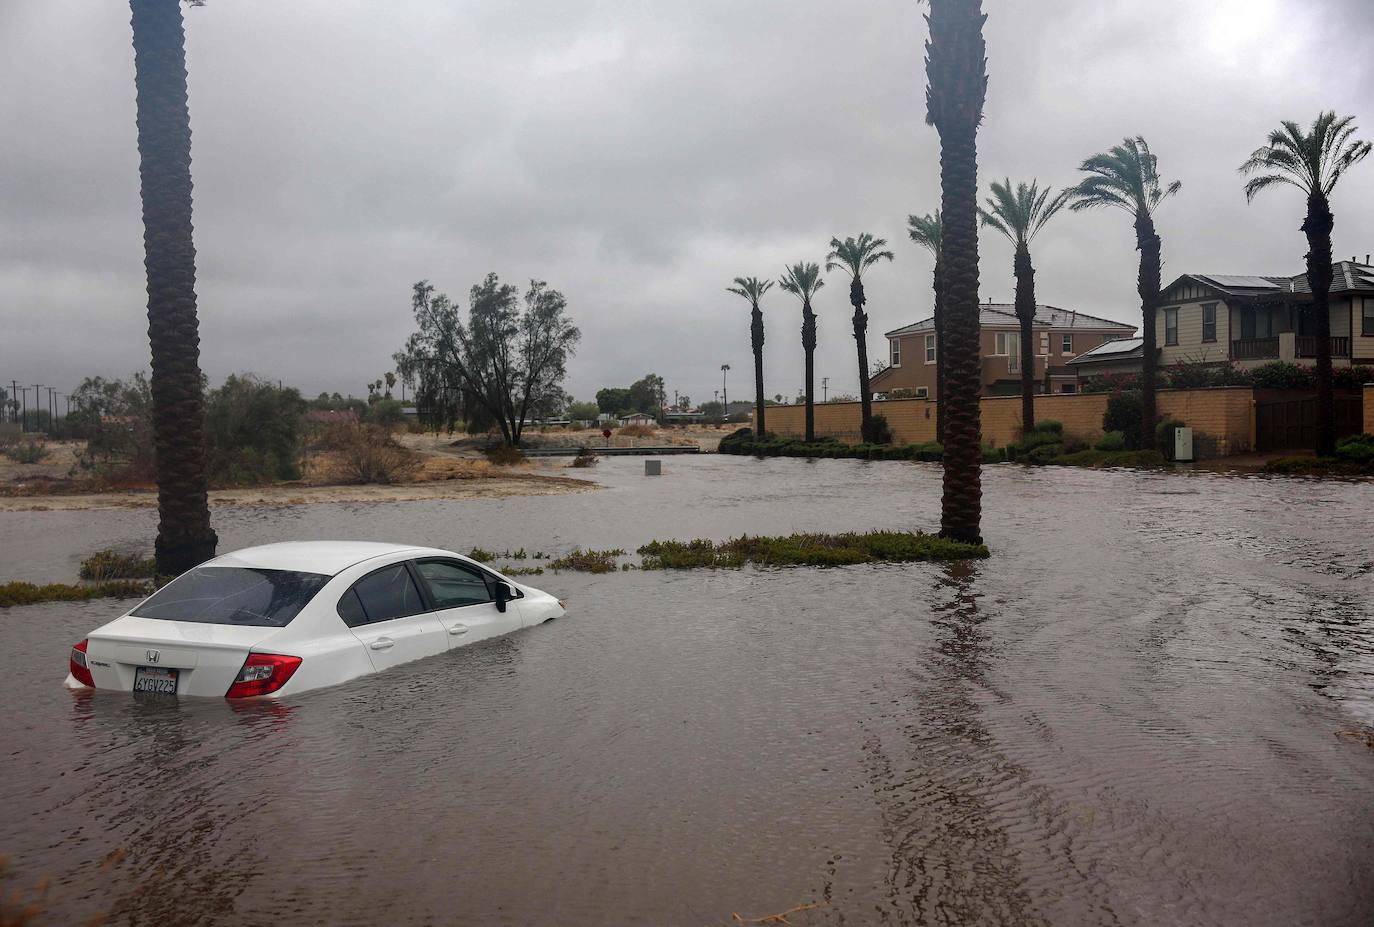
(12, 594)
(1096, 459)
(522, 570)
(505, 455)
(1317, 466)
(584, 458)
(743, 442)
(112, 564)
(588, 561)
(27, 452)
(807, 550)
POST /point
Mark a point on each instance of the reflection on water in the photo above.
(1126, 716)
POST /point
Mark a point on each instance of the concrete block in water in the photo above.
(653, 468)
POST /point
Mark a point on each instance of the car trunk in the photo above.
(205, 658)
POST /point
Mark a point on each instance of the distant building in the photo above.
(638, 418)
(1060, 334)
(1123, 355)
(1249, 321)
(684, 418)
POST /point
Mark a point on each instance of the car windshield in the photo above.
(234, 595)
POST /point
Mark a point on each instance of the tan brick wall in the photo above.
(1369, 408)
(1222, 419)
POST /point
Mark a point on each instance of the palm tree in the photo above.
(956, 69)
(854, 256)
(1313, 162)
(925, 231)
(1127, 177)
(752, 289)
(1020, 214)
(184, 536)
(802, 281)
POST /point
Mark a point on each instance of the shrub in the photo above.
(1096, 459)
(505, 455)
(27, 452)
(1049, 426)
(253, 432)
(1357, 449)
(878, 430)
(1111, 441)
(1164, 436)
(638, 431)
(112, 564)
(12, 594)
(386, 412)
(369, 454)
(807, 550)
(10, 434)
(993, 454)
(1352, 377)
(1123, 414)
(930, 451)
(1282, 375)
(584, 458)
(1044, 453)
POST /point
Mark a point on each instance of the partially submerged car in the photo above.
(281, 619)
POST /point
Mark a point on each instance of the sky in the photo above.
(635, 155)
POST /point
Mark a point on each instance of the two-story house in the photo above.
(1211, 318)
(1060, 334)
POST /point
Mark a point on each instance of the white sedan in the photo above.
(283, 618)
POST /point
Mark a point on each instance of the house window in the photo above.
(930, 349)
(1067, 346)
(1068, 387)
(896, 352)
(1007, 343)
(1209, 322)
(1171, 326)
(1367, 318)
(923, 392)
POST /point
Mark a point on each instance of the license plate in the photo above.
(155, 679)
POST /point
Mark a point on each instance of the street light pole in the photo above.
(725, 390)
(825, 388)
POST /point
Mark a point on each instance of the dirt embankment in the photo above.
(52, 486)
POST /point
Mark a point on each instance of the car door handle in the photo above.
(458, 629)
(382, 643)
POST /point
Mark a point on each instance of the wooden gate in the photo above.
(1290, 422)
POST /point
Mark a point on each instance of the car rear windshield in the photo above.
(234, 595)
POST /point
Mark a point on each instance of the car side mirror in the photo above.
(504, 593)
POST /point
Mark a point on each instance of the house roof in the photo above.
(1346, 277)
(1003, 315)
(1116, 350)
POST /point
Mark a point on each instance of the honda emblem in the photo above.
(154, 656)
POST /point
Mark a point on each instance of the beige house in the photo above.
(1060, 334)
(1210, 318)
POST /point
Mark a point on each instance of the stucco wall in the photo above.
(1222, 419)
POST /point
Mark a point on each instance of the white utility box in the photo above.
(1183, 445)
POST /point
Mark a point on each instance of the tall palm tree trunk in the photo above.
(1317, 227)
(957, 69)
(939, 352)
(856, 297)
(809, 344)
(1147, 284)
(1025, 313)
(184, 536)
(756, 333)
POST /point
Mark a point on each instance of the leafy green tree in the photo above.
(254, 431)
(184, 535)
(1019, 215)
(713, 411)
(925, 231)
(613, 400)
(502, 361)
(854, 256)
(646, 394)
(956, 69)
(390, 383)
(753, 289)
(1313, 161)
(803, 280)
(1127, 177)
(583, 411)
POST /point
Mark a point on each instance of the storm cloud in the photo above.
(635, 155)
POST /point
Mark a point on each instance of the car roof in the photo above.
(328, 557)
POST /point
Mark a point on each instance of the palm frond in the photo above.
(1313, 160)
(855, 255)
(1021, 213)
(751, 288)
(802, 280)
(1126, 177)
(926, 231)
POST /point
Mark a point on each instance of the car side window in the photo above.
(386, 594)
(453, 585)
(351, 609)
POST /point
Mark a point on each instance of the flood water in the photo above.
(1129, 715)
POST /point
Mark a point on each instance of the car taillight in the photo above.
(263, 673)
(80, 671)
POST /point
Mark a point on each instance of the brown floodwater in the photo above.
(1130, 715)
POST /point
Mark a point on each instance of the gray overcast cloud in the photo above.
(635, 155)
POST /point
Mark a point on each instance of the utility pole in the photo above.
(52, 411)
(37, 404)
(14, 402)
(825, 388)
(24, 408)
(724, 390)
